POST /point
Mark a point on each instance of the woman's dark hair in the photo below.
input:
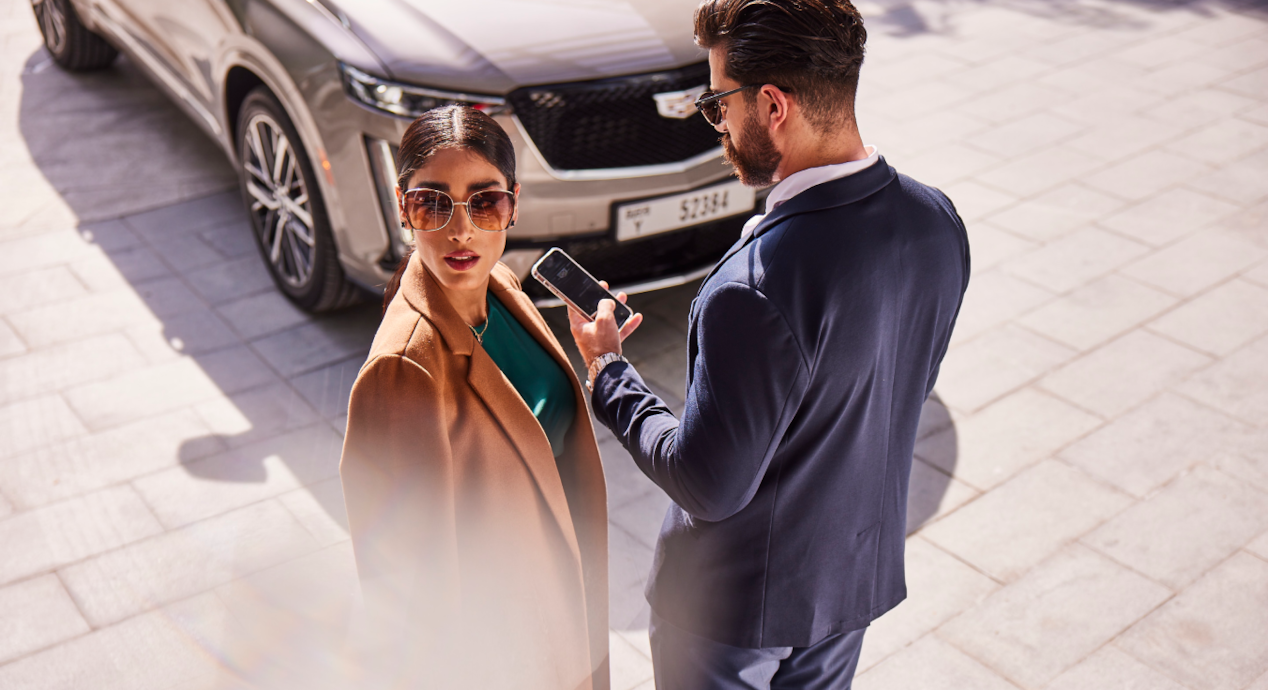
(812, 47)
(449, 127)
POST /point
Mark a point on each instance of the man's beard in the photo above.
(757, 162)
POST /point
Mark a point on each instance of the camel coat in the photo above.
(483, 558)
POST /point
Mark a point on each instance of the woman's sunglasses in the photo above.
(710, 104)
(492, 210)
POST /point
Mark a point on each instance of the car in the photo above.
(308, 97)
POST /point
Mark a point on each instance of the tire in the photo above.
(70, 43)
(286, 208)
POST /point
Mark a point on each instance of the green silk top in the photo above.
(536, 376)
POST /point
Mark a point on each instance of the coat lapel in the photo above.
(488, 381)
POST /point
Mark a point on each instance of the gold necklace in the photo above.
(479, 335)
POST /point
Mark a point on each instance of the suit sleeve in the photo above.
(397, 474)
(748, 377)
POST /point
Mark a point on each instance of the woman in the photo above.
(471, 475)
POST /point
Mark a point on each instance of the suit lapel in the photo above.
(499, 396)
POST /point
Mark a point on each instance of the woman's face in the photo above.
(460, 255)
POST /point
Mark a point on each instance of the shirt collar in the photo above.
(802, 180)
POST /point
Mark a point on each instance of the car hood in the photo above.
(496, 46)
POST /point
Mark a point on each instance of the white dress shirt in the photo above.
(802, 180)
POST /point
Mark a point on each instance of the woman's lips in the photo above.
(462, 261)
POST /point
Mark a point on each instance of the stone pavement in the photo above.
(1090, 492)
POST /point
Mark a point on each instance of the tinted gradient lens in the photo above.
(710, 107)
(491, 210)
(428, 209)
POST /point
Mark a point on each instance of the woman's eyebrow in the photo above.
(486, 184)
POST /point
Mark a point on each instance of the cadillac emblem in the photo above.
(678, 104)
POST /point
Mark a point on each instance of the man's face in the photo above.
(746, 143)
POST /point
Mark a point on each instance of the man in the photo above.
(812, 347)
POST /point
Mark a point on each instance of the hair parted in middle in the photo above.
(813, 47)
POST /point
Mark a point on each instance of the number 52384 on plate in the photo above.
(662, 214)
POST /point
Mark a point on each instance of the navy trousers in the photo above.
(683, 660)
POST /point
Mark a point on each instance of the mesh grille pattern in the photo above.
(613, 123)
(623, 263)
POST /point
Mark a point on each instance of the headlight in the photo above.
(410, 101)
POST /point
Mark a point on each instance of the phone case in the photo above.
(564, 298)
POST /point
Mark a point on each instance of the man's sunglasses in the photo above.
(492, 210)
(710, 104)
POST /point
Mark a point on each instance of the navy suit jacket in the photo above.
(812, 347)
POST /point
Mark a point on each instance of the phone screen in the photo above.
(568, 280)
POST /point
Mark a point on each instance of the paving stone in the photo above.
(1222, 142)
(1161, 51)
(10, 343)
(1038, 627)
(185, 253)
(993, 298)
(1238, 384)
(257, 414)
(1248, 225)
(149, 652)
(36, 614)
(1118, 100)
(49, 537)
(1145, 175)
(110, 235)
(1195, 263)
(310, 347)
(939, 587)
(1258, 274)
(1211, 635)
(1075, 260)
(996, 74)
(1182, 77)
(1111, 668)
(168, 297)
(231, 280)
(1165, 218)
(36, 288)
(119, 269)
(1054, 214)
(903, 105)
(625, 481)
(629, 562)
(932, 493)
(1205, 516)
(35, 422)
(1114, 139)
(1219, 321)
(996, 443)
(629, 667)
(1097, 311)
(1259, 547)
(1253, 84)
(1237, 181)
(1199, 107)
(190, 334)
(328, 389)
(1258, 114)
(89, 462)
(320, 509)
(142, 393)
(184, 562)
(1035, 513)
(187, 218)
(236, 369)
(931, 664)
(1027, 134)
(991, 245)
(1147, 447)
(642, 516)
(1039, 171)
(974, 200)
(43, 251)
(267, 312)
(217, 484)
(233, 240)
(1007, 105)
(59, 367)
(92, 315)
(996, 363)
(1123, 373)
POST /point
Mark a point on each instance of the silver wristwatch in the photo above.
(598, 365)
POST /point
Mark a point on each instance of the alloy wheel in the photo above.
(52, 23)
(279, 200)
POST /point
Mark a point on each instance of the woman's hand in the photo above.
(601, 336)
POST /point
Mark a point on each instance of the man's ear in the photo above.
(775, 105)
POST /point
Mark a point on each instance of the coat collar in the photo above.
(505, 404)
(839, 192)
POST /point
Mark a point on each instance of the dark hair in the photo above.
(449, 127)
(812, 47)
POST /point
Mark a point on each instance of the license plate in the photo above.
(652, 216)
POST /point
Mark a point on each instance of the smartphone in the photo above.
(575, 286)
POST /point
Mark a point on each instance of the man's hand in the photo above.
(600, 336)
